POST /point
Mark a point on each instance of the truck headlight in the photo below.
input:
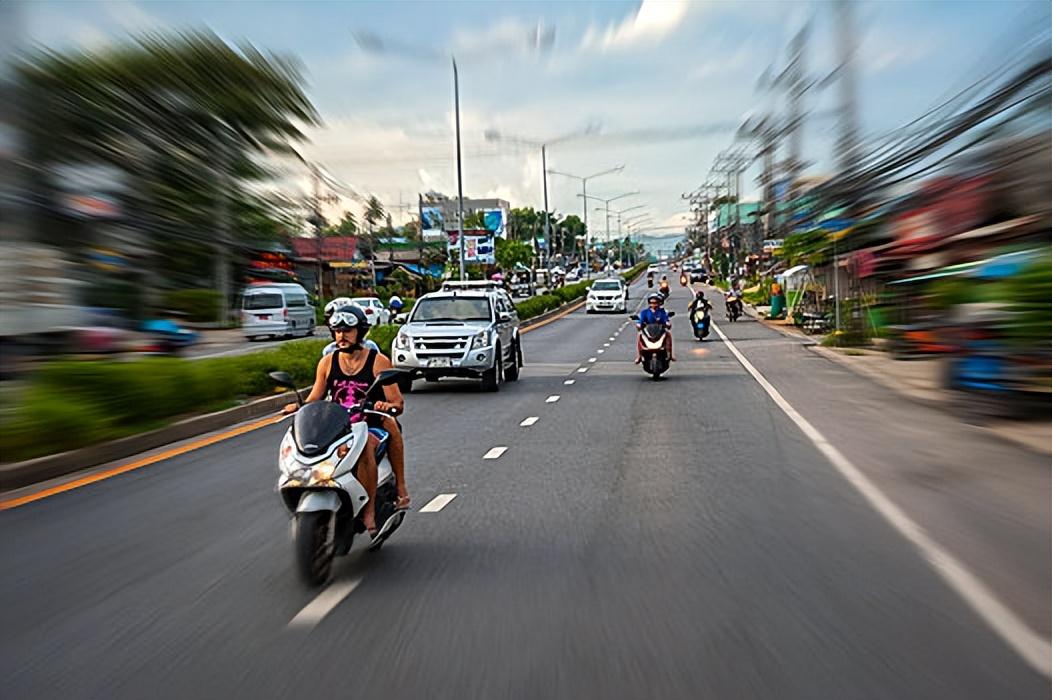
(480, 340)
(402, 341)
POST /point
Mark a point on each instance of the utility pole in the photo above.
(847, 142)
(460, 172)
(316, 211)
(547, 224)
(795, 76)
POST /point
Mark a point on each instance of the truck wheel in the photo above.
(492, 377)
(512, 373)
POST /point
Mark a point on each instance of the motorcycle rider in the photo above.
(699, 302)
(344, 376)
(664, 288)
(654, 313)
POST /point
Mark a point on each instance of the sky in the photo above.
(658, 86)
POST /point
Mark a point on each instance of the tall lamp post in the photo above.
(494, 135)
(620, 236)
(606, 202)
(584, 193)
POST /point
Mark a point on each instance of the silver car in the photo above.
(454, 333)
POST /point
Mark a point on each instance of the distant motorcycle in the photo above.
(318, 484)
(652, 347)
(700, 322)
(734, 307)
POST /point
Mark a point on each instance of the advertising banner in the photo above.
(494, 221)
(432, 225)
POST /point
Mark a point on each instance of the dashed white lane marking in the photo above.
(606, 345)
(438, 503)
(495, 453)
(611, 339)
(317, 609)
(568, 382)
(592, 359)
(529, 421)
(582, 369)
(600, 351)
(552, 399)
(1032, 647)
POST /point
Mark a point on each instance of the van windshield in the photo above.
(610, 286)
(263, 301)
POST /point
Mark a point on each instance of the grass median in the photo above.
(70, 403)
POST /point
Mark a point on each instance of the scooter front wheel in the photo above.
(314, 546)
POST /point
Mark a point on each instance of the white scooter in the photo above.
(318, 485)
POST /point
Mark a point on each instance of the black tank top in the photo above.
(350, 389)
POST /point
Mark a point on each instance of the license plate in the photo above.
(439, 362)
(263, 317)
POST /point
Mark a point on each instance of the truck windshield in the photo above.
(452, 309)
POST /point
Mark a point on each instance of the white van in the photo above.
(276, 310)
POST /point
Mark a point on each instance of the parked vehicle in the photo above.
(374, 309)
(167, 337)
(318, 487)
(468, 329)
(276, 309)
(607, 295)
(652, 339)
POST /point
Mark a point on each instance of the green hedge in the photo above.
(73, 403)
(383, 335)
(199, 305)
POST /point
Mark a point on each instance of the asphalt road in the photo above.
(674, 539)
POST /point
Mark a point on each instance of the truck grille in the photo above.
(452, 347)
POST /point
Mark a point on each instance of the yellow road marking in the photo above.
(556, 317)
(137, 464)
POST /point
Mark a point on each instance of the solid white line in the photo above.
(438, 503)
(317, 609)
(591, 359)
(495, 453)
(529, 421)
(568, 382)
(582, 369)
(552, 399)
(1032, 647)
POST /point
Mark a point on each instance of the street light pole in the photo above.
(460, 172)
(547, 223)
(584, 195)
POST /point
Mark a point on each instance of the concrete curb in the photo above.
(18, 474)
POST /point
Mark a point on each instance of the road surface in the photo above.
(674, 539)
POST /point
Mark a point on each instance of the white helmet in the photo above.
(337, 303)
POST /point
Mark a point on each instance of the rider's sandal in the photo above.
(402, 503)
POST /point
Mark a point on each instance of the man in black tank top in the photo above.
(344, 376)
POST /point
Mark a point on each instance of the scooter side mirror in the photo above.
(282, 379)
(671, 314)
(390, 376)
(634, 317)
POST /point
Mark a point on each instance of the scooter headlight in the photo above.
(323, 471)
(287, 462)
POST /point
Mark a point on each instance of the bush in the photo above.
(198, 305)
(73, 403)
(383, 335)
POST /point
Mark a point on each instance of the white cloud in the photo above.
(131, 17)
(654, 19)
